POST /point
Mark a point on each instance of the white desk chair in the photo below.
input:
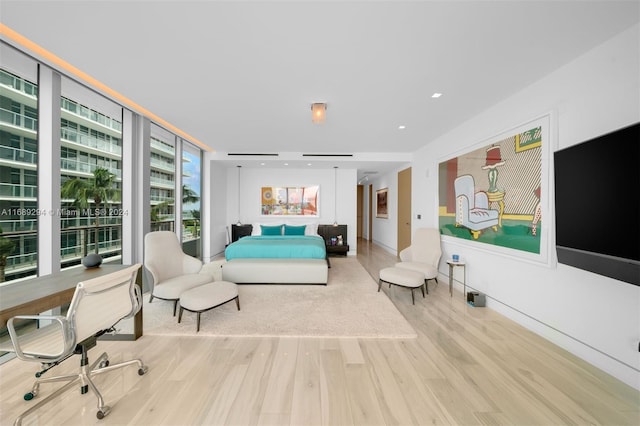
(97, 306)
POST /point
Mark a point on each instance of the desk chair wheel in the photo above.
(102, 413)
(142, 370)
(29, 396)
(104, 364)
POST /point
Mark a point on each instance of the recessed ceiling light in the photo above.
(286, 164)
(308, 164)
(262, 164)
(401, 127)
(436, 95)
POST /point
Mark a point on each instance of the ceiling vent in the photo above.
(251, 154)
(327, 155)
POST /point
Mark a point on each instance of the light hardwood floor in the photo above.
(467, 366)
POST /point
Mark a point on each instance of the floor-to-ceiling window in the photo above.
(91, 175)
(18, 168)
(191, 195)
(162, 163)
(176, 188)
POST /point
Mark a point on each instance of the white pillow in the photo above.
(311, 229)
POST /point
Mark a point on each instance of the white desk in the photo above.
(452, 265)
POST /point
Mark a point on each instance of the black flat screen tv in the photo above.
(597, 205)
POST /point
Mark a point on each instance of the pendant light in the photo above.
(239, 222)
(335, 196)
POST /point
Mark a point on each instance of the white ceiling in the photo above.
(241, 76)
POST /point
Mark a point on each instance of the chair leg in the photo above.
(198, 322)
(84, 378)
(150, 298)
(379, 285)
(175, 306)
(422, 288)
(50, 397)
(426, 285)
(413, 297)
(238, 302)
(180, 315)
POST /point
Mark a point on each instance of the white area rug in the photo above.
(349, 306)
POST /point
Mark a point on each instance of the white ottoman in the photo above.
(402, 278)
(208, 296)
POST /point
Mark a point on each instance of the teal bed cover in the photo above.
(277, 247)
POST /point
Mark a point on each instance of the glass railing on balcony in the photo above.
(79, 251)
(18, 84)
(18, 155)
(18, 191)
(163, 226)
(167, 149)
(83, 234)
(82, 111)
(21, 262)
(24, 261)
(170, 167)
(25, 264)
(71, 135)
(79, 166)
(84, 222)
(18, 120)
(160, 199)
(163, 182)
(18, 225)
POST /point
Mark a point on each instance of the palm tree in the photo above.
(195, 214)
(189, 195)
(100, 188)
(6, 248)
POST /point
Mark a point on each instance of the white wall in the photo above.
(595, 317)
(385, 230)
(215, 177)
(253, 179)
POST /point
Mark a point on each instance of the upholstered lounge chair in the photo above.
(423, 255)
(172, 271)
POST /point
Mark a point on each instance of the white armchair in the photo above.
(172, 271)
(423, 255)
(472, 208)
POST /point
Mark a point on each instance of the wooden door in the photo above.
(359, 212)
(370, 235)
(404, 209)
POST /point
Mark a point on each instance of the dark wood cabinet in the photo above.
(333, 231)
(239, 231)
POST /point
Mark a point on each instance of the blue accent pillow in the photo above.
(271, 230)
(294, 230)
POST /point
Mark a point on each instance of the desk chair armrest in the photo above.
(37, 345)
(136, 302)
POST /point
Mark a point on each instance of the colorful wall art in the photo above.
(290, 200)
(492, 194)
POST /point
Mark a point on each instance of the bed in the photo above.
(276, 259)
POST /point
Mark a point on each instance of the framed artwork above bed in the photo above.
(290, 201)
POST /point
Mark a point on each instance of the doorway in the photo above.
(404, 209)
